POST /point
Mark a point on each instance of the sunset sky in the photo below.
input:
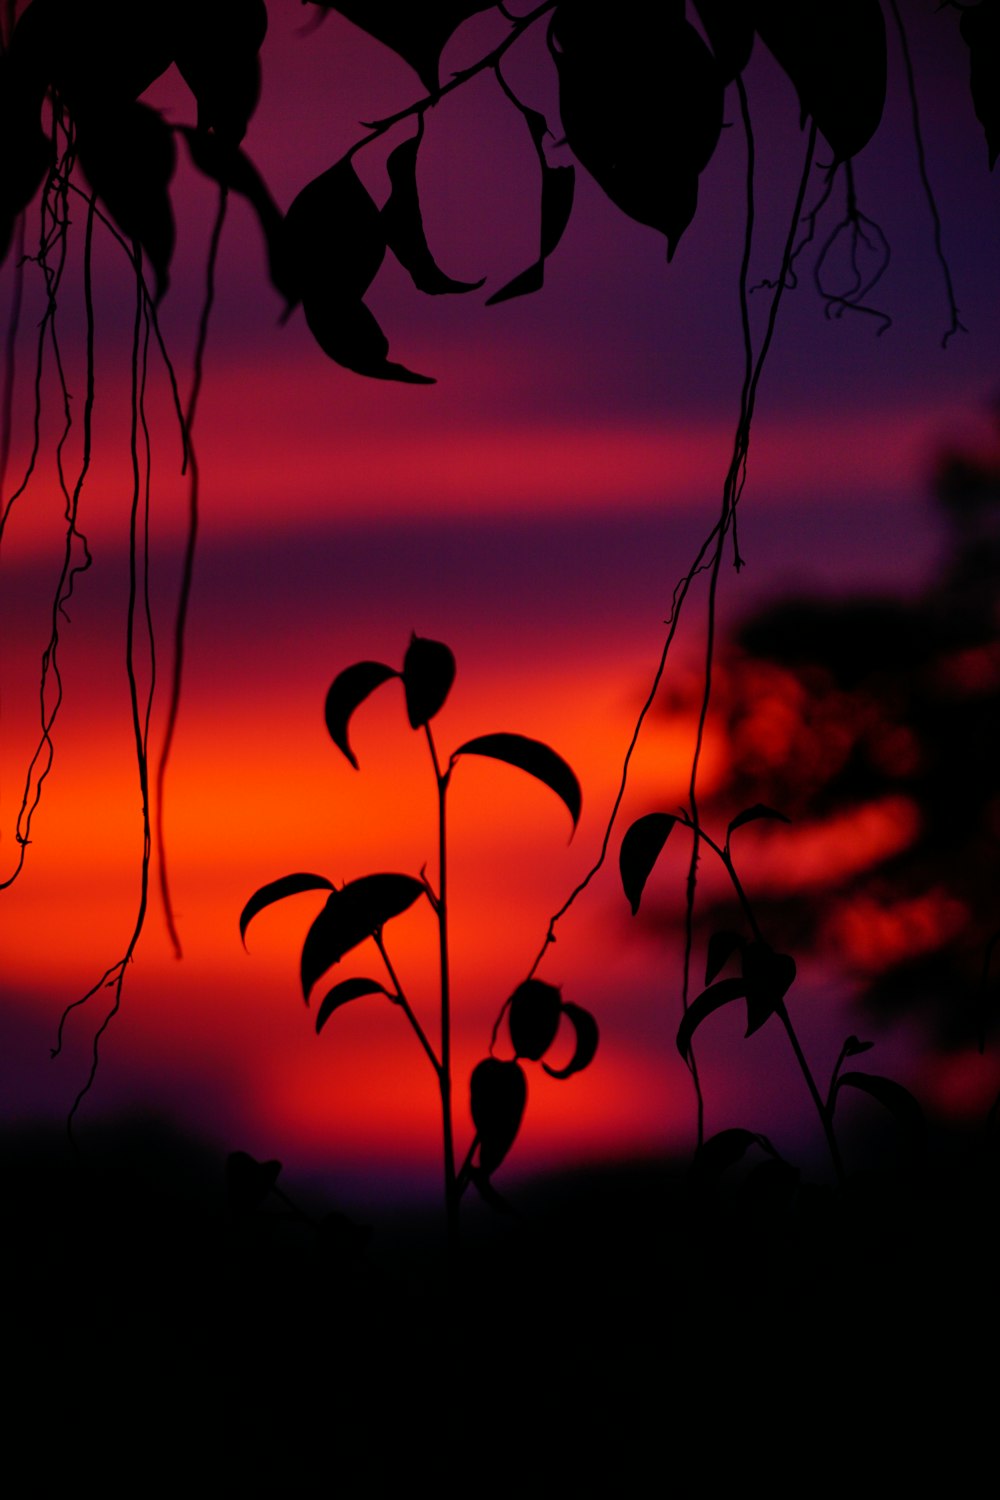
(534, 509)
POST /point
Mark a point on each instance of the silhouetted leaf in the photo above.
(277, 890)
(767, 977)
(416, 32)
(428, 673)
(216, 47)
(498, 1091)
(334, 244)
(729, 27)
(533, 1017)
(751, 814)
(25, 149)
(248, 1181)
(232, 169)
(348, 989)
(488, 1192)
(587, 1037)
(896, 1099)
(980, 26)
(349, 689)
(834, 53)
(128, 154)
(350, 915)
(535, 758)
(642, 114)
(641, 848)
(854, 1048)
(721, 1151)
(97, 55)
(721, 947)
(558, 185)
(403, 225)
(711, 999)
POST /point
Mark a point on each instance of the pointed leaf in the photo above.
(349, 689)
(643, 115)
(532, 279)
(403, 226)
(729, 27)
(534, 758)
(641, 848)
(768, 976)
(248, 1182)
(721, 947)
(216, 50)
(416, 32)
(558, 184)
(980, 27)
(533, 1018)
(711, 999)
(854, 1048)
(587, 1037)
(898, 1100)
(348, 989)
(277, 890)
(834, 53)
(350, 915)
(498, 1091)
(751, 814)
(428, 673)
(128, 154)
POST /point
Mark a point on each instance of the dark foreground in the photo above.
(621, 1324)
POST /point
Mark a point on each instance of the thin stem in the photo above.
(451, 1197)
(825, 1115)
(404, 1004)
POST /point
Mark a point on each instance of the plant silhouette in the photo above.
(358, 912)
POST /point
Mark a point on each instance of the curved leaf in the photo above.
(428, 673)
(533, 1018)
(349, 689)
(587, 1037)
(350, 915)
(216, 51)
(711, 999)
(98, 55)
(751, 814)
(498, 1091)
(348, 989)
(898, 1100)
(558, 185)
(534, 758)
(853, 1047)
(834, 53)
(403, 225)
(417, 33)
(128, 154)
(277, 890)
(767, 976)
(642, 112)
(980, 27)
(729, 27)
(721, 947)
(641, 848)
(26, 149)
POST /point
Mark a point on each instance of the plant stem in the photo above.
(451, 1196)
(825, 1115)
(405, 1005)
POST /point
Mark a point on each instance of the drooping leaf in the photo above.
(980, 26)
(767, 977)
(641, 110)
(334, 244)
(729, 27)
(720, 1152)
(350, 915)
(535, 758)
(248, 1181)
(894, 1097)
(128, 154)
(834, 53)
(641, 848)
(428, 673)
(587, 1037)
(711, 999)
(751, 814)
(277, 890)
(416, 32)
(403, 226)
(498, 1091)
(349, 689)
(533, 1018)
(232, 169)
(348, 989)
(216, 50)
(558, 185)
(721, 947)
